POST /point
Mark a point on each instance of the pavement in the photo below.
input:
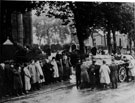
(43, 89)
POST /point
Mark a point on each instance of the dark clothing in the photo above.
(114, 75)
(8, 79)
(66, 69)
(78, 74)
(2, 81)
(22, 77)
(97, 75)
(92, 75)
(60, 68)
(17, 80)
(94, 51)
(74, 58)
(48, 72)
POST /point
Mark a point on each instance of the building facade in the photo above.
(15, 25)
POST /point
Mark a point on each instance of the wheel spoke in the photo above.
(122, 74)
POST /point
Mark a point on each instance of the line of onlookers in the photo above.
(20, 78)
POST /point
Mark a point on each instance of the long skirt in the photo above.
(18, 82)
(27, 83)
(84, 77)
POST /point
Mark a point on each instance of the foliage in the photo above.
(84, 16)
(50, 30)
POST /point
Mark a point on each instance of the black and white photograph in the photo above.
(54, 51)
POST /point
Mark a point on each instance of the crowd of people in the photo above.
(95, 76)
(100, 76)
(21, 78)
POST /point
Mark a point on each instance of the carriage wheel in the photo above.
(122, 74)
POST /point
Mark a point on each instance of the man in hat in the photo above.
(92, 74)
(114, 74)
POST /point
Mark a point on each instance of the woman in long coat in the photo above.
(27, 77)
(66, 67)
(60, 66)
(104, 75)
(48, 72)
(84, 76)
(55, 68)
(17, 80)
(40, 72)
(34, 75)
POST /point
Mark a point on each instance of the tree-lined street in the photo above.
(49, 52)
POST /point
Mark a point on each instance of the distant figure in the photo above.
(103, 52)
(104, 75)
(94, 51)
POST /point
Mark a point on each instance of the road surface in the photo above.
(124, 94)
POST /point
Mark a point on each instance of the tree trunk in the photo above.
(130, 42)
(109, 41)
(114, 41)
(81, 42)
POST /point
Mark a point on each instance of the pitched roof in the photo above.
(7, 42)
